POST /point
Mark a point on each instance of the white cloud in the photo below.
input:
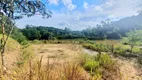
(77, 18)
(53, 2)
(124, 8)
(115, 8)
(69, 5)
(64, 23)
(109, 4)
(98, 8)
(85, 5)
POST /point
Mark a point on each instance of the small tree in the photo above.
(134, 37)
(16, 9)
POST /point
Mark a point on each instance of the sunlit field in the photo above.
(70, 40)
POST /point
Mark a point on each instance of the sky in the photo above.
(80, 14)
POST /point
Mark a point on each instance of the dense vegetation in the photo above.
(46, 33)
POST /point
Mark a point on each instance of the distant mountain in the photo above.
(129, 22)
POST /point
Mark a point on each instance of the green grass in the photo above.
(11, 44)
(106, 46)
(98, 47)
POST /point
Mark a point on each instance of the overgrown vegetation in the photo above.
(18, 36)
(101, 67)
(98, 47)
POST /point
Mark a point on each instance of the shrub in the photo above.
(99, 66)
(136, 50)
(119, 50)
(17, 35)
(97, 47)
(104, 59)
(91, 65)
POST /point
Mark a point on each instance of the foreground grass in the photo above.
(36, 71)
(89, 67)
(79, 67)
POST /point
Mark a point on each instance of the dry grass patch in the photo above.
(59, 52)
(50, 71)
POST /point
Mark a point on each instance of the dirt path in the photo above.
(129, 69)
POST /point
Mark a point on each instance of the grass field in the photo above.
(64, 59)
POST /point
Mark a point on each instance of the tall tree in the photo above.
(16, 9)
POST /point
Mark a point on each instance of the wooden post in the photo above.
(112, 48)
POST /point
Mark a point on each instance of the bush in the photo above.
(119, 50)
(91, 65)
(99, 66)
(136, 50)
(98, 47)
(104, 59)
(17, 35)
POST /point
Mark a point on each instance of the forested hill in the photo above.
(105, 30)
(114, 29)
(45, 33)
(129, 22)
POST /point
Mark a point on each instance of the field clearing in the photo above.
(57, 52)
